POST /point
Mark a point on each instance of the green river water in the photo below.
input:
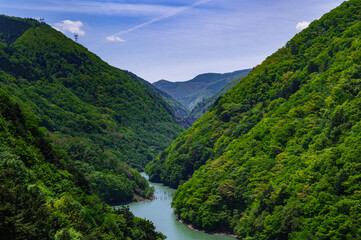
(159, 211)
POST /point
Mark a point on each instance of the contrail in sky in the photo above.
(157, 19)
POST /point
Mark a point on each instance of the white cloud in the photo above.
(302, 25)
(115, 39)
(70, 26)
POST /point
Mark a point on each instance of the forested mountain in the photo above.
(278, 156)
(190, 93)
(202, 107)
(43, 195)
(102, 117)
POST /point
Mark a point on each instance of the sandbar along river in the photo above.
(159, 211)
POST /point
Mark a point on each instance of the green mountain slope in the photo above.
(190, 93)
(202, 107)
(179, 110)
(282, 148)
(102, 117)
(42, 195)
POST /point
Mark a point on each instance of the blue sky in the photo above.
(178, 39)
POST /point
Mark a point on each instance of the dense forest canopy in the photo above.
(278, 156)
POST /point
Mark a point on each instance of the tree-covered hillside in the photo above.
(102, 117)
(280, 152)
(44, 196)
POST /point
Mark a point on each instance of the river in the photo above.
(159, 211)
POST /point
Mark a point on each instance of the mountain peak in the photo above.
(190, 93)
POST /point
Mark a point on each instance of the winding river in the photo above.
(159, 211)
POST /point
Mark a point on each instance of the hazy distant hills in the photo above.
(179, 110)
(194, 91)
(203, 106)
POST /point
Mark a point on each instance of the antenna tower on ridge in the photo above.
(42, 19)
(76, 37)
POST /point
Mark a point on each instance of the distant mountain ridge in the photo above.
(190, 93)
(203, 106)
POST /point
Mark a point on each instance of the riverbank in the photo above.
(195, 229)
(160, 212)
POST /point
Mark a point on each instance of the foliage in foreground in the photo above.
(43, 196)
